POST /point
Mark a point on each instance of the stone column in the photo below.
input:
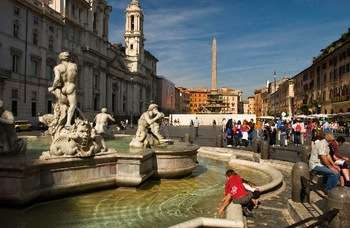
(300, 182)
(339, 198)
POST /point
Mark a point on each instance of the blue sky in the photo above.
(255, 37)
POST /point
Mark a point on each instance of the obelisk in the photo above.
(213, 64)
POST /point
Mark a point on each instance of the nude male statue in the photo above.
(101, 120)
(63, 86)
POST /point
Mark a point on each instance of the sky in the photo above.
(254, 37)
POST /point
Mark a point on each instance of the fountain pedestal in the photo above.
(24, 181)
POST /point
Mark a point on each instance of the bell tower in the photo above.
(134, 38)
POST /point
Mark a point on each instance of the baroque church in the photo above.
(34, 32)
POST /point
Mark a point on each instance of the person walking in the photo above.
(196, 126)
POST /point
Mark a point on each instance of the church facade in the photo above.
(34, 32)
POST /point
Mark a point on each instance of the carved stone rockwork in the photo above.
(68, 140)
(148, 129)
(9, 143)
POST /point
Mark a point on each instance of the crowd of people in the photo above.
(297, 132)
(325, 158)
(238, 133)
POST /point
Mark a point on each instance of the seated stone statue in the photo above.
(9, 143)
(148, 129)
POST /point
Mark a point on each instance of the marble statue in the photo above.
(101, 121)
(148, 129)
(9, 143)
(70, 138)
(63, 86)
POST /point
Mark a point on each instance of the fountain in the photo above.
(77, 159)
(173, 158)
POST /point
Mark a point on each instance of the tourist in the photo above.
(298, 128)
(326, 127)
(273, 134)
(245, 129)
(196, 126)
(191, 123)
(341, 161)
(237, 133)
(321, 163)
(214, 123)
(251, 132)
(229, 133)
(283, 134)
(223, 125)
(235, 192)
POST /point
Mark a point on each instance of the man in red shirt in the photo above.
(235, 192)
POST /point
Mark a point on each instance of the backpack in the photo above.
(298, 128)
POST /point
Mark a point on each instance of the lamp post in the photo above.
(132, 103)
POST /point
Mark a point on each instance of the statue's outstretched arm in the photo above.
(111, 118)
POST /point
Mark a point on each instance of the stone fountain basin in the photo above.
(176, 160)
(25, 179)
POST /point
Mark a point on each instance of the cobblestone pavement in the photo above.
(273, 211)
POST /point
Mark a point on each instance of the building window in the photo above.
(49, 72)
(96, 102)
(131, 46)
(95, 23)
(51, 43)
(73, 10)
(96, 81)
(132, 18)
(16, 29)
(16, 11)
(33, 108)
(36, 20)
(35, 37)
(15, 62)
(14, 107)
(113, 102)
(35, 68)
(51, 28)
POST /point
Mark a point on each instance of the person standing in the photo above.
(223, 125)
(229, 133)
(245, 133)
(196, 126)
(297, 129)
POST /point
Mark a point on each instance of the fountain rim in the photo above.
(230, 156)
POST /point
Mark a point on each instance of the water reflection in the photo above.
(157, 203)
